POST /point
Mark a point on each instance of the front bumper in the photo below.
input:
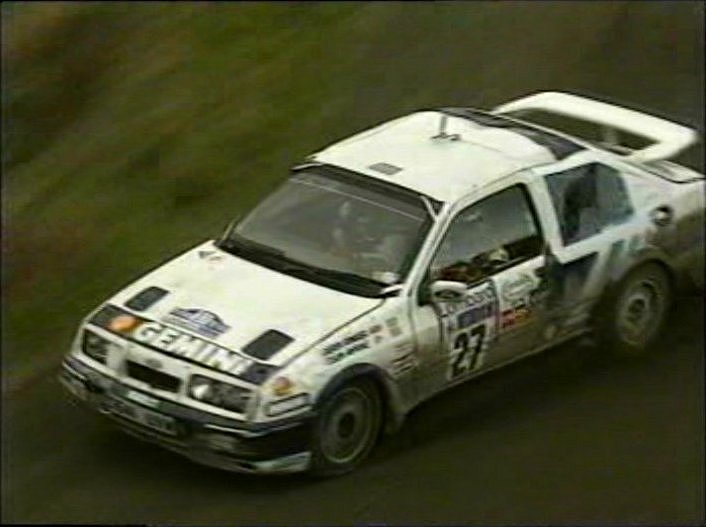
(202, 437)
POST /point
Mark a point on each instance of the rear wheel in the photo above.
(346, 429)
(632, 317)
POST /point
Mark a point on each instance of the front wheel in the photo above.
(631, 318)
(346, 429)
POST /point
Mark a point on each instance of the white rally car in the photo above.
(390, 266)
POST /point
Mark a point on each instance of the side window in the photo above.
(493, 234)
(588, 199)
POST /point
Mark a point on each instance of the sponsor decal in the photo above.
(197, 320)
(376, 332)
(180, 344)
(470, 329)
(403, 364)
(478, 295)
(345, 347)
(482, 295)
(468, 346)
(345, 341)
(517, 288)
(473, 315)
(516, 316)
(295, 402)
(393, 326)
(403, 348)
(479, 305)
(331, 359)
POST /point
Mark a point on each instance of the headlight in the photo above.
(107, 313)
(282, 386)
(218, 393)
(95, 346)
(116, 320)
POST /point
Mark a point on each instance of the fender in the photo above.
(393, 407)
(648, 254)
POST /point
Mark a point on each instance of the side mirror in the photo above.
(447, 291)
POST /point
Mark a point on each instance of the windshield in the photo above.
(335, 230)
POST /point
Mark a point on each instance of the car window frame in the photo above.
(526, 192)
(584, 164)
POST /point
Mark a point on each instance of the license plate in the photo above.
(148, 418)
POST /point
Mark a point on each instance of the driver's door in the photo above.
(494, 247)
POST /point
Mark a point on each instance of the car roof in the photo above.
(474, 149)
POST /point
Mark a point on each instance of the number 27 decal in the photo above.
(469, 344)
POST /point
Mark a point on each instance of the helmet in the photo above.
(354, 228)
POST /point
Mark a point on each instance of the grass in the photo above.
(132, 132)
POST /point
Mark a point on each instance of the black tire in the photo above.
(346, 429)
(633, 314)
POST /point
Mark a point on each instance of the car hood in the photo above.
(246, 300)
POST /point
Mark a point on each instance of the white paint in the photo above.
(248, 297)
(670, 138)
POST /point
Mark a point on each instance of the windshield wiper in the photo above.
(235, 242)
(279, 260)
(301, 268)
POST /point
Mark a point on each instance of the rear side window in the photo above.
(588, 199)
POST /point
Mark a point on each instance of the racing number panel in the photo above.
(495, 246)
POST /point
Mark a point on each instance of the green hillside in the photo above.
(134, 131)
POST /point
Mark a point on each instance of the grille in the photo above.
(154, 378)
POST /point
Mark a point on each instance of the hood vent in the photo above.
(267, 344)
(146, 298)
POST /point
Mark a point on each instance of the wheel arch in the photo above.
(393, 413)
(610, 290)
(648, 256)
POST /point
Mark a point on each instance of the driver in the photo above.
(359, 235)
(470, 251)
(353, 230)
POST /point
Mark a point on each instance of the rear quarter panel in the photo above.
(683, 242)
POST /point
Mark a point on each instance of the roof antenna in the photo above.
(442, 130)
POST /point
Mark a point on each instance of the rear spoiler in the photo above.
(669, 138)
